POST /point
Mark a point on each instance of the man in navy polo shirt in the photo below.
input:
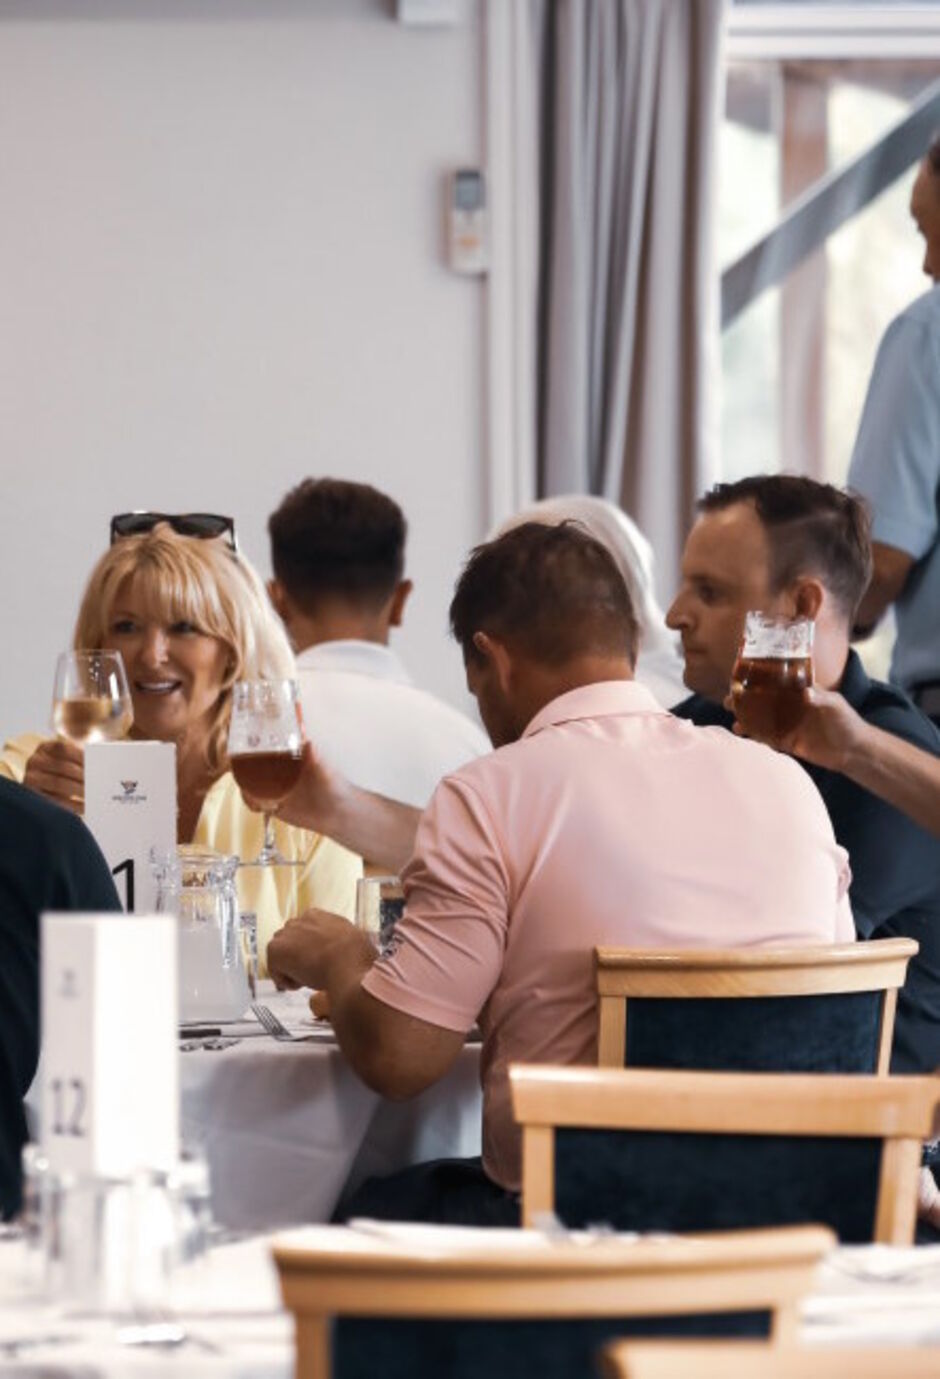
(48, 861)
(793, 547)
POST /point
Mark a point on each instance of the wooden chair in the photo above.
(663, 1150)
(372, 1305)
(753, 1360)
(815, 1009)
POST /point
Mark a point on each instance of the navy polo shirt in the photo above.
(48, 861)
(895, 864)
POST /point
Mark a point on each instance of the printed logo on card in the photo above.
(129, 794)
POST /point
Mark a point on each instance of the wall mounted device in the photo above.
(467, 221)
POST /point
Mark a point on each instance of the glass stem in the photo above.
(268, 833)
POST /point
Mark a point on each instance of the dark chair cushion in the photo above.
(375, 1348)
(444, 1192)
(672, 1182)
(811, 1034)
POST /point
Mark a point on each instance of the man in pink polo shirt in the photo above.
(599, 819)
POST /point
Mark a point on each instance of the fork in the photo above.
(274, 1026)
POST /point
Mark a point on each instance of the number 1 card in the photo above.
(130, 807)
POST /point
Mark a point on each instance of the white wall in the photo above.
(221, 269)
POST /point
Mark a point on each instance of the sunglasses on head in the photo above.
(204, 525)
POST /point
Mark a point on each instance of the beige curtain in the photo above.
(627, 314)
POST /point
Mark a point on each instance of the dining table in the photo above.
(287, 1127)
(224, 1318)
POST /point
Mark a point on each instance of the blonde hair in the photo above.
(202, 582)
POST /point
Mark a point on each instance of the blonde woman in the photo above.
(190, 617)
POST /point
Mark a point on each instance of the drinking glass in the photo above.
(380, 901)
(774, 667)
(91, 701)
(265, 748)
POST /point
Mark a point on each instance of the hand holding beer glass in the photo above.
(773, 670)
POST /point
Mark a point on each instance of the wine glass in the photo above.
(91, 701)
(265, 748)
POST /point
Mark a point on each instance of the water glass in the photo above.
(380, 902)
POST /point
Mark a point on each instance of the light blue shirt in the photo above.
(896, 467)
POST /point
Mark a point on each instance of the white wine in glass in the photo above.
(265, 749)
(91, 701)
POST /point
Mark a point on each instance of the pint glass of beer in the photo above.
(774, 667)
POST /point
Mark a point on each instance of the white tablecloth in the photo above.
(286, 1126)
(229, 1306)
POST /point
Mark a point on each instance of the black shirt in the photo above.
(48, 861)
(895, 864)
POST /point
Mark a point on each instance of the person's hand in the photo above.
(320, 1005)
(928, 1198)
(312, 947)
(57, 770)
(308, 804)
(829, 731)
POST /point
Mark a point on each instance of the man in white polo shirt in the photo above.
(600, 819)
(338, 553)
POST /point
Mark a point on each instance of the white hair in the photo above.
(658, 664)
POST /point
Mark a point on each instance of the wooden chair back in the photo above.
(831, 1008)
(358, 1299)
(723, 1148)
(749, 1359)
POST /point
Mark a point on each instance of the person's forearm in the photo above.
(343, 971)
(349, 1012)
(897, 771)
(380, 830)
(363, 1031)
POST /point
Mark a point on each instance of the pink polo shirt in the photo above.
(608, 822)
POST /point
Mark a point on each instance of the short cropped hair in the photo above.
(332, 538)
(553, 592)
(203, 582)
(812, 529)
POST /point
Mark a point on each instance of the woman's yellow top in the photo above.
(325, 880)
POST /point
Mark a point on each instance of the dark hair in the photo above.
(812, 528)
(933, 153)
(334, 538)
(551, 591)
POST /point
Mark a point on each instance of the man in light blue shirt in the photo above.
(896, 467)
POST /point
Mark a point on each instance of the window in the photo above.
(796, 360)
(811, 88)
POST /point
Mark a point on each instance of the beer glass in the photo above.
(774, 667)
(265, 748)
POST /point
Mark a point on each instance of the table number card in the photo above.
(130, 807)
(110, 1096)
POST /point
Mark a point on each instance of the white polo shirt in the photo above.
(364, 714)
